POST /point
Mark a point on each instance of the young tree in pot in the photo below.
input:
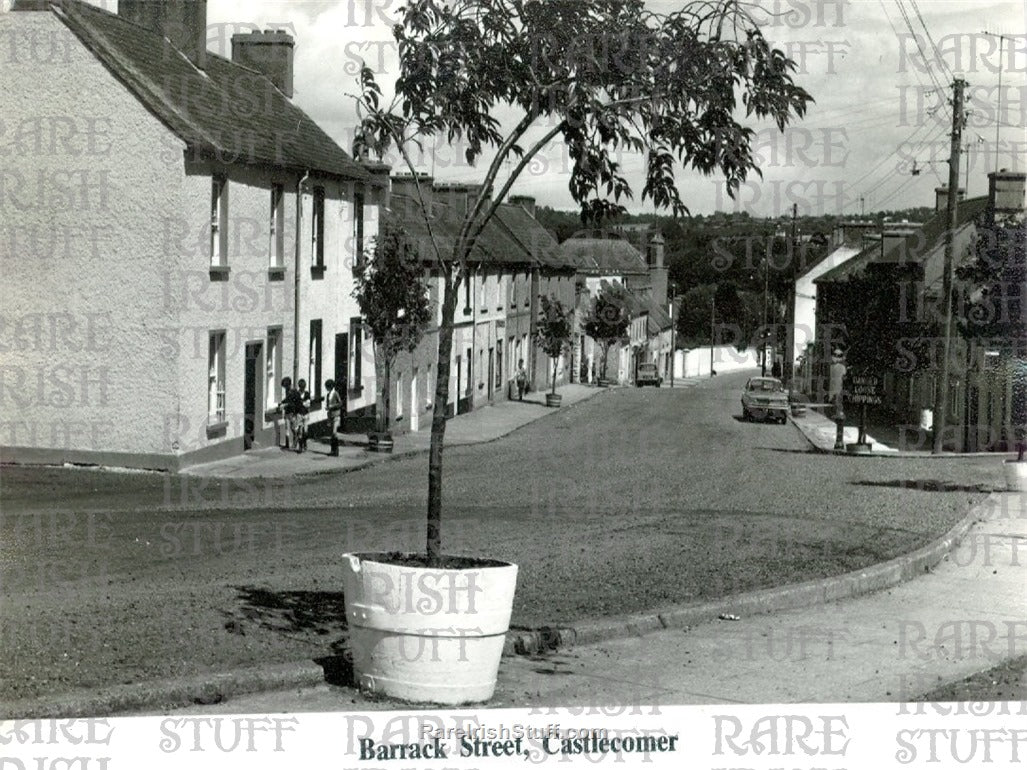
(606, 322)
(553, 336)
(393, 299)
(671, 87)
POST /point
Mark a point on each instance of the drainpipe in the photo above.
(296, 280)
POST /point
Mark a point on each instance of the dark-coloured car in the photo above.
(647, 374)
(764, 398)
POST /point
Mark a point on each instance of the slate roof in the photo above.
(915, 247)
(535, 239)
(495, 246)
(226, 111)
(608, 255)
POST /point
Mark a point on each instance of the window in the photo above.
(274, 366)
(481, 366)
(356, 334)
(276, 228)
(470, 372)
(429, 387)
(467, 293)
(499, 364)
(398, 410)
(527, 288)
(216, 378)
(358, 229)
(314, 372)
(318, 249)
(482, 294)
(218, 221)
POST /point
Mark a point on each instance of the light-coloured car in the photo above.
(647, 374)
(764, 398)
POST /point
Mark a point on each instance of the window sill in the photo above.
(217, 429)
(276, 273)
(219, 272)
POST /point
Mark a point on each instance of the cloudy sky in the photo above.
(878, 107)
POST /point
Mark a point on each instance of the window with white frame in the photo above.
(429, 386)
(216, 378)
(398, 410)
(318, 250)
(273, 375)
(218, 221)
(276, 227)
(314, 372)
(482, 291)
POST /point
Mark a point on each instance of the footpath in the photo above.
(484, 424)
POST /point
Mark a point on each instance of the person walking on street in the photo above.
(302, 410)
(285, 408)
(333, 402)
(522, 380)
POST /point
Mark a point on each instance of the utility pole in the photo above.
(713, 321)
(941, 400)
(673, 321)
(763, 329)
(788, 364)
(998, 115)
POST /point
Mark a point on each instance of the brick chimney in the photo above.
(1006, 190)
(183, 22)
(941, 197)
(403, 184)
(269, 52)
(852, 233)
(457, 195)
(526, 202)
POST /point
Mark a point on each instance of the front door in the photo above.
(251, 394)
(492, 372)
(342, 373)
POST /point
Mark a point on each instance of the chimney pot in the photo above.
(183, 22)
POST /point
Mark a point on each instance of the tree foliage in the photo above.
(554, 329)
(393, 299)
(604, 76)
(606, 322)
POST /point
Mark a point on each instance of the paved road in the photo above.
(634, 499)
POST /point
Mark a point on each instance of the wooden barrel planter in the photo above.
(553, 399)
(379, 442)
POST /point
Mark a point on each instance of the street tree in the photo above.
(554, 329)
(393, 299)
(604, 77)
(607, 323)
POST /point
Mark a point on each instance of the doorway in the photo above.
(251, 394)
(415, 422)
(342, 374)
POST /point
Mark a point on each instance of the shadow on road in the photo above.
(928, 485)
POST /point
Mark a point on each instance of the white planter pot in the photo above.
(427, 635)
(1016, 475)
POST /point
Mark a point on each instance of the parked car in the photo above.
(647, 374)
(765, 398)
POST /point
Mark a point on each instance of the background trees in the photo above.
(607, 323)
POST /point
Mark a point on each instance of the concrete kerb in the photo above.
(807, 594)
(167, 693)
(904, 453)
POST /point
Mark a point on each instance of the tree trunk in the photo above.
(438, 420)
(555, 360)
(383, 420)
